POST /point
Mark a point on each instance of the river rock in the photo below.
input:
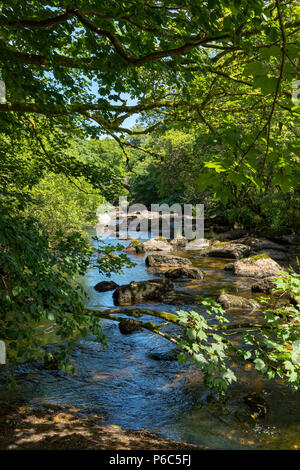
(264, 285)
(104, 286)
(256, 266)
(260, 244)
(137, 292)
(228, 250)
(178, 242)
(235, 301)
(129, 325)
(157, 244)
(135, 247)
(233, 234)
(159, 260)
(290, 239)
(277, 255)
(177, 274)
(267, 286)
(51, 361)
(198, 244)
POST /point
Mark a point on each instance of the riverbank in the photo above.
(52, 427)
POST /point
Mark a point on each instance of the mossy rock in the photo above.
(258, 266)
(260, 256)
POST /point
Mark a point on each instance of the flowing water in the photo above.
(125, 385)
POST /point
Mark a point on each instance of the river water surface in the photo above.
(125, 385)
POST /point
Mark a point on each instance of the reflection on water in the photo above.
(126, 386)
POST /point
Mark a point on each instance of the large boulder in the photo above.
(256, 266)
(235, 301)
(228, 250)
(104, 286)
(177, 274)
(159, 260)
(137, 292)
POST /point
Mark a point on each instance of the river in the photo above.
(125, 385)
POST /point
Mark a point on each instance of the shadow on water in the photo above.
(129, 387)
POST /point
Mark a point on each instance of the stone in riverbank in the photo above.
(104, 286)
(235, 301)
(159, 260)
(141, 291)
(183, 273)
(259, 266)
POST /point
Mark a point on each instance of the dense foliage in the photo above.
(272, 345)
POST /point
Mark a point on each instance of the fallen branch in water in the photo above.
(109, 315)
(174, 319)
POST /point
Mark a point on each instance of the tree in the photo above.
(143, 49)
(66, 69)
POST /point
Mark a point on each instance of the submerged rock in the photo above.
(257, 404)
(51, 361)
(104, 286)
(159, 260)
(184, 273)
(129, 325)
(228, 250)
(170, 355)
(235, 301)
(137, 292)
(256, 266)
(176, 297)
